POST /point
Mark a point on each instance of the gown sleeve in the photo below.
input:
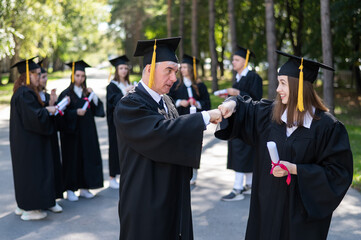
(35, 118)
(176, 141)
(255, 89)
(330, 176)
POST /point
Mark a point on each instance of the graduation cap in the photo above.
(192, 61)
(26, 66)
(40, 63)
(245, 53)
(157, 50)
(303, 69)
(77, 66)
(119, 60)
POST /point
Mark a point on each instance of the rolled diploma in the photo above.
(90, 98)
(192, 109)
(61, 105)
(272, 149)
(221, 92)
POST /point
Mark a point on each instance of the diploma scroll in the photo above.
(89, 99)
(272, 149)
(220, 93)
(61, 105)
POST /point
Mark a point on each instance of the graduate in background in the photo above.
(189, 92)
(50, 100)
(82, 162)
(30, 144)
(294, 198)
(241, 155)
(116, 89)
(158, 149)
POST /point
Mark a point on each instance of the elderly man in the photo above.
(158, 150)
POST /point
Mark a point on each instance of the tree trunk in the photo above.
(271, 49)
(328, 92)
(194, 37)
(169, 19)
(232, 30)
(212, 45)
(181, 27)
(13, 71)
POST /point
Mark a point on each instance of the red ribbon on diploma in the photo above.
(59, 111)
(288, 180)
(86, 99)
(192, 100)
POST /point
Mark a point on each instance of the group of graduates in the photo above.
(155, 134)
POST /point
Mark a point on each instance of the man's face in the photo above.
(238, 63)
(164, 76)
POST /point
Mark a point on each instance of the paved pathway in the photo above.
(97, 219)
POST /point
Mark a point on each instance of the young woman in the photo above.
(116, 89)
(82, 162)
(190, 93)
(50, 100)
(295, 197)
(30, 144)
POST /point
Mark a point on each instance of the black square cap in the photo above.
(165, 49)
(79, 65)
(189, 59)
(292, 67)
(119, 60)
(40, 63)
(22, 65)
(242, 52)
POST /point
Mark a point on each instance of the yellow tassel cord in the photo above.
(27, 73)
(300, 89)
(110, 74)
(247, 58)
(194, 69)
(152, 66)
(72, 72)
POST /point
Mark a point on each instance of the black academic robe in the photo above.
(302, 210)
(114, 94)
(158, 153)
(240, 155)
(182, 93)
(82, 162)
(31, 151)
(58, 178)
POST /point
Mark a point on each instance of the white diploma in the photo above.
(90, 98)
(192, 109)
(272, 149)
(61, 105)
(222, 92)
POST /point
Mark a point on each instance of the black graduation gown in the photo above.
(240, 155)
(114, 94)
(58, 178)
(31, 151)
(182, 93)
(82, 162)
(157, 155)
(302, 210)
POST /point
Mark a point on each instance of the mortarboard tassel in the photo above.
(152, 66)
(72, 72)
(194, 69)
(247, 58)
(300, 89)
(27, 73)
(110, 74)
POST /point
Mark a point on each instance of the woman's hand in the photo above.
(184, 103)
(53, 97)
(233, 91)
(51, 109)
(80, 112)
(227, 108)
(279, 172)
(89, 90)
(129, 88)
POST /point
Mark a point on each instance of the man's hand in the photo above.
(233, 91)
(227, 108)
(215, 115)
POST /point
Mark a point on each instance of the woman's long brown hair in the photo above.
(21, 81)
(191, 75)
(310, 99)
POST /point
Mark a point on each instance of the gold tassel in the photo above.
(194, 68)
(247, 58)
(72, 72)
(300, 89)
(110, 74)
(152, 66)
(27, 73)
